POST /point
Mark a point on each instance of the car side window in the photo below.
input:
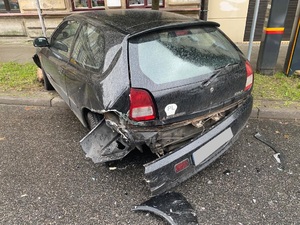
(88, 48)
(62, 39)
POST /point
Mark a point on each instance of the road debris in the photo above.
(227, 172)
(277, 155)
(171, 206)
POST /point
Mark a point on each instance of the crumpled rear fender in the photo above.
(103, 144)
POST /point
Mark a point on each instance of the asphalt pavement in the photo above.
(45, 178)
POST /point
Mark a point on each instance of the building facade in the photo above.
(20, 17)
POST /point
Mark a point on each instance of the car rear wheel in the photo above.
(47, 85)
(93, 119)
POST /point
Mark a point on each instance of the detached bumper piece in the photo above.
(171, 206)
(176, 167)
(102, 144)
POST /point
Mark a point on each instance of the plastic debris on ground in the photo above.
(171, 206)
(277, 155)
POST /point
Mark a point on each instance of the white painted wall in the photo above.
(232, 16)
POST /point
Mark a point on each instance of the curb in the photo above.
(43, 101)
(272, 113)
(264, 111)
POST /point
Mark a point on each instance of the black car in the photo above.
(153, 81)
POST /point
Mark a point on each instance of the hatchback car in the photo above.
(153, 81)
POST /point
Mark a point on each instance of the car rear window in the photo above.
(175, 55)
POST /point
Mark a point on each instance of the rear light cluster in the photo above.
(250, 76)
(141, 105)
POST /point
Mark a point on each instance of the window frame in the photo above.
(145, 5)
(89, 6)
(59, 29)
(8, 9)
(88, 68)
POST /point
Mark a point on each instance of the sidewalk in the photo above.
(22, 50)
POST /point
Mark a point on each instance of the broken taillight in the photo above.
(249, 80)
(141, 105)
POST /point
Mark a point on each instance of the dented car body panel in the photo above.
(101, 144)
(166, 84)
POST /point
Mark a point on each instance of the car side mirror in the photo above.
(41, 42)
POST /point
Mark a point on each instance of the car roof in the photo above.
(136, 21)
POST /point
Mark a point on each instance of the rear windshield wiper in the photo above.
(217, 72)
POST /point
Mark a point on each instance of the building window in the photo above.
(142, 3)
(9, 6)
(87, 4)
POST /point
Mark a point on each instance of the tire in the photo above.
(47, 85)
(93, 119)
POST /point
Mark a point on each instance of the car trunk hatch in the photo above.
(188, 72)
(202, 97)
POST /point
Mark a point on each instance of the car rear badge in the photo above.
(170, 109)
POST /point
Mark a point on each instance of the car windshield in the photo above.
(175, 55)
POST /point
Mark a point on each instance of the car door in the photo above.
(82, 73)
(58, 54)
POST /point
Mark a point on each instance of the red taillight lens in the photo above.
(249, 80)
(182, 165)
(141, 105)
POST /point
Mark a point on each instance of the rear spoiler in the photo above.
(198, 23)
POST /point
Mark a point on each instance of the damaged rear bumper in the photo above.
(161, 174)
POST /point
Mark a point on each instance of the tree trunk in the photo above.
(155, 5)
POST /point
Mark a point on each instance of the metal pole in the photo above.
(292, 61)
(203, 10)
(253, 29)
(40, 17)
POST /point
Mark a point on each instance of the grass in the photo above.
(277, 87)
(18, 77)
(23, 77)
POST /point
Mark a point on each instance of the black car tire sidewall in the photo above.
(93, 119)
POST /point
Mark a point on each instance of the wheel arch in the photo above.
(85, 112)
(37, 61)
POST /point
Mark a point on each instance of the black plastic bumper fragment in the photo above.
(160, 174)
(171, 206)
(101, 144)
